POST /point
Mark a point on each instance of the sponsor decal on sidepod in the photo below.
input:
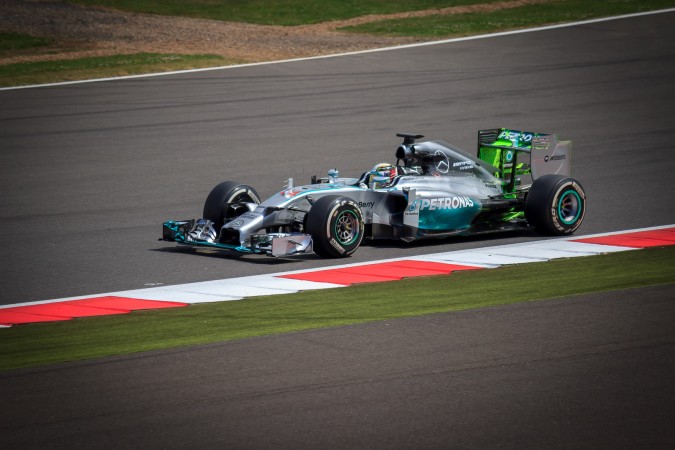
(444, 203)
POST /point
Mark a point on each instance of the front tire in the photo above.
(556, 205)
(336, 226)
(225, 202)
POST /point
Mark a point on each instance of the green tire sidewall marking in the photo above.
(564, 196)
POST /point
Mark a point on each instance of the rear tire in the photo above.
(555, 205)
(225, 201)
(336, 226)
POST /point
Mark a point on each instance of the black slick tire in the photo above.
(336, 226)
(555, 205)
(221, 203)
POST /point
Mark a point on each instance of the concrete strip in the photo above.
(272, 281)
(579, 248)
(484, 258)
(173, 294)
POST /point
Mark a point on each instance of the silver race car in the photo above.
(517, 179)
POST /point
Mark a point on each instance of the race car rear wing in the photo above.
(516, 153)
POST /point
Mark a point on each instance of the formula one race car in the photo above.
(518, 179)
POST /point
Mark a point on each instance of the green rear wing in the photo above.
(518, 153)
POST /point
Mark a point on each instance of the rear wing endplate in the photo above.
(550, 156)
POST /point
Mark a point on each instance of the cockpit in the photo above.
(438, 158)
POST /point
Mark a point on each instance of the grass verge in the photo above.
(274, 12)
(444, 26)
(11, 43)
(37, 344)
(103, 66)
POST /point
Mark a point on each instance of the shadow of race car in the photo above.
(516, 180)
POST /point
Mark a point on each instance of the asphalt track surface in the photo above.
(90, 171)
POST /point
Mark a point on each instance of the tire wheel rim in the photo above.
(347, 228)
(569, 207)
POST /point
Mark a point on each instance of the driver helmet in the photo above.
(382, 176)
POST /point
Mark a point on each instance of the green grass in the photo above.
(15, 43)
(300, 12)
(36, 344)
(278, 12)
(508, 19)
(97, 67)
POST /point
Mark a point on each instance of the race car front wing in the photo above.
(201, 232)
